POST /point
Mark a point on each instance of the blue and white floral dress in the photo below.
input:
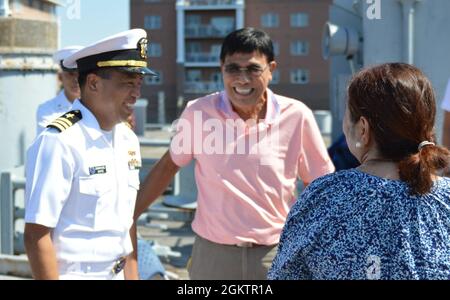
(352, 225)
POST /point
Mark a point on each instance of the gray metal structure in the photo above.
(11, 209)
(346, 18)
(411, 31)
(28, 39)
(27, 78)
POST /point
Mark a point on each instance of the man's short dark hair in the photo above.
(247, 40)
(104, 73)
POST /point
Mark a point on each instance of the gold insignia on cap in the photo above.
(121, 63)
(142, 46)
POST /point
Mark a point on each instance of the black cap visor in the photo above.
(139, 70)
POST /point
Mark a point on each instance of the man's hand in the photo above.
(131, 267)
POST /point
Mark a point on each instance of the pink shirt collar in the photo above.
(273, 107)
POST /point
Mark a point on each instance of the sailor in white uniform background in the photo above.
(83, 171)
(54, 108)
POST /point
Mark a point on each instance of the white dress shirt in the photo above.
(85, 188)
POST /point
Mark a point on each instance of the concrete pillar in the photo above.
(240, 14)
(180, 32)
(161, 108)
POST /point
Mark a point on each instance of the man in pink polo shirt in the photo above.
(250, 146)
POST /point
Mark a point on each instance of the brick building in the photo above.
(186, 36)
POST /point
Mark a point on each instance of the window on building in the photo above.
(17, 5)
(193, 20)
(154, 80)
(193, 26)
(276, 49)
(275, 77)
(215, 51)
(154, 50)
(216, 77)
(300, 76)
(270, 20)
(299, 48)
(48, 7)
(216, 82)
(194, 52)
(299, 20)
(223, 24)
(152, 22)
(193, 75)
(193, 47)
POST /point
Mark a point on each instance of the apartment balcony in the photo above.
(210, 4)
(203, 87)
(207, 31)
(202, 59)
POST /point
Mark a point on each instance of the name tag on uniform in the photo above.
(97, 170)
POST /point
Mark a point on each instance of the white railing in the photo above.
(203, 87)
(201, 31)
(209, 2)
(202, 57)
(10, 183)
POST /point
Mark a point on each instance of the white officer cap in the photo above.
(63, 53)
(126, 50)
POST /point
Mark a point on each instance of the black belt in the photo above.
(251, 245)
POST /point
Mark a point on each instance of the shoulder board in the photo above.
(67, 120)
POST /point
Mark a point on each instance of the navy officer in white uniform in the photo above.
(54, 108)
(82, 171)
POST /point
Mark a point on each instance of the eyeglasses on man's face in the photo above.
(252, 70)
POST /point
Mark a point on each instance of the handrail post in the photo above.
(6, 214)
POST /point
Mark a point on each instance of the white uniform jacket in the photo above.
(85, 188)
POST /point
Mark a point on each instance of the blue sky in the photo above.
(86, 21)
